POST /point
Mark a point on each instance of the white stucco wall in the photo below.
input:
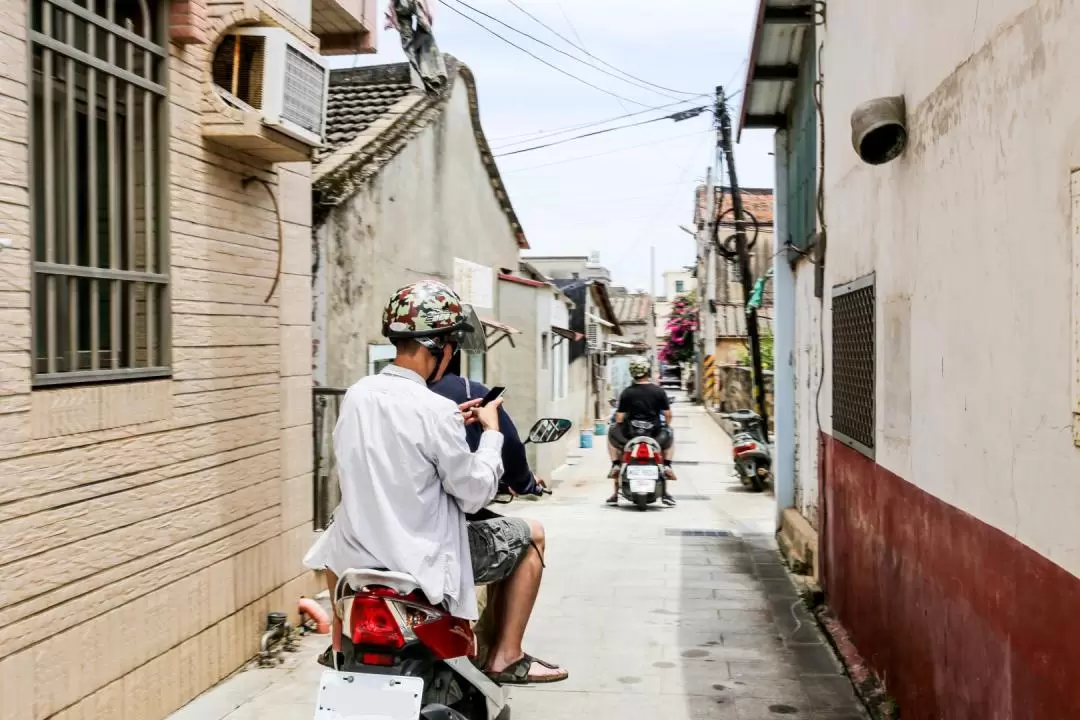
(971, 237)
(431, 203)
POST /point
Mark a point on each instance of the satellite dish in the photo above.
(474, 341)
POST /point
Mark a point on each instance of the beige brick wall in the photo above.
(146, 529)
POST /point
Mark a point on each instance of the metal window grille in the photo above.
(853, 364)
(99, 138)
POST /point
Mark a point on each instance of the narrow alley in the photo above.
(683, 613)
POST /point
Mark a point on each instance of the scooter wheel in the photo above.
(642, 503)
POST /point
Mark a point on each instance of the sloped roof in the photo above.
(373, 113)
(358, 97)
(757, 201)
(631, 307)
(731, 321)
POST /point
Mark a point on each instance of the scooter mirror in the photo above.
(548, 430)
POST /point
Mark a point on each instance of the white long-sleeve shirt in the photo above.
(407, 479)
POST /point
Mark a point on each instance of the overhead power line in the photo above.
(600, 154)
(677, 117)
(580, 46)
(537, 57)
(636, 83)
(543, 134)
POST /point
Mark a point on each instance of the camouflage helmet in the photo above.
(640, 368)
(424, 309)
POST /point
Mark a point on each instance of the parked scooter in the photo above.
(753, 459)
(398, 657)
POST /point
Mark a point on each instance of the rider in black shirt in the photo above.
(641, 401)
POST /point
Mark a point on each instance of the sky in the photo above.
(622, 192)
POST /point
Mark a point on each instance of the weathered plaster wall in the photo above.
(431, 203)
(148, 527)
(971, 236)
(808, 377)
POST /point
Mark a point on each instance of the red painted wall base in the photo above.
(960, 620)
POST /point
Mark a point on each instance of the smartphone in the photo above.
(494, 394)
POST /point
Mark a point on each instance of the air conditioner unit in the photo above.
(268, 70)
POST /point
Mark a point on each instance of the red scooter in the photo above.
(395, 656)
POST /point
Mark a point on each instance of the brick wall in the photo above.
(146, 528)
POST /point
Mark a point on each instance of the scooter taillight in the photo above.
(744, 448)
(383, 619)
(643, 452)
(372, 623)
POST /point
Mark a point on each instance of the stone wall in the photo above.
(735, 385)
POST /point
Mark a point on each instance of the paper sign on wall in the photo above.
(474, 283)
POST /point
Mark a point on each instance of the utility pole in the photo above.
(743, 253)
(707, 300)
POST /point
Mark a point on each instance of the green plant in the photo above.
(767, 348)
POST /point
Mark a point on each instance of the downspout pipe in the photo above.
(784, 339)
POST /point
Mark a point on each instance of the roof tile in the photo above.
(360, 96)
(757, 201)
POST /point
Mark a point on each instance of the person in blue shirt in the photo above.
(517, 476)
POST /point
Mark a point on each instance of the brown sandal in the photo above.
(518, 673)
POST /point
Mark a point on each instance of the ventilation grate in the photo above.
(305, 83)
(678, 532)
(853, 359)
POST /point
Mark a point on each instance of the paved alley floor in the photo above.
(675, 614)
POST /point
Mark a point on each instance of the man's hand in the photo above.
(488, 416)
(466, 409)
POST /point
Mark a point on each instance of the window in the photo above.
(99, 136)
(560, 369)
(853, 364)
(543, 351)
(680, 286)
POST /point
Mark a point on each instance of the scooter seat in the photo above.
(401, 583)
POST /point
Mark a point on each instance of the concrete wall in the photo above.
(529, 397)
(989, 120)
(431, 203)
(148, 527)
(972, 236)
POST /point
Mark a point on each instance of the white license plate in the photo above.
(642, 472)
(359, 696)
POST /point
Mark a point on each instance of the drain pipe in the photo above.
(312, 608)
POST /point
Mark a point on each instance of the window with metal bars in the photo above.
(99, 138)
(854, 361)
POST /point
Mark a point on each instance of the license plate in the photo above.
(646, 487)
(358, 696)
(642, 472)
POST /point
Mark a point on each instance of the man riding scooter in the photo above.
(643, 402)
(408, 478)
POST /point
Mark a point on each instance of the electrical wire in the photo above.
(561, 52)
(542, 134)
(600, 154)
(598, 132)
(580, 46)
(540, 59)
